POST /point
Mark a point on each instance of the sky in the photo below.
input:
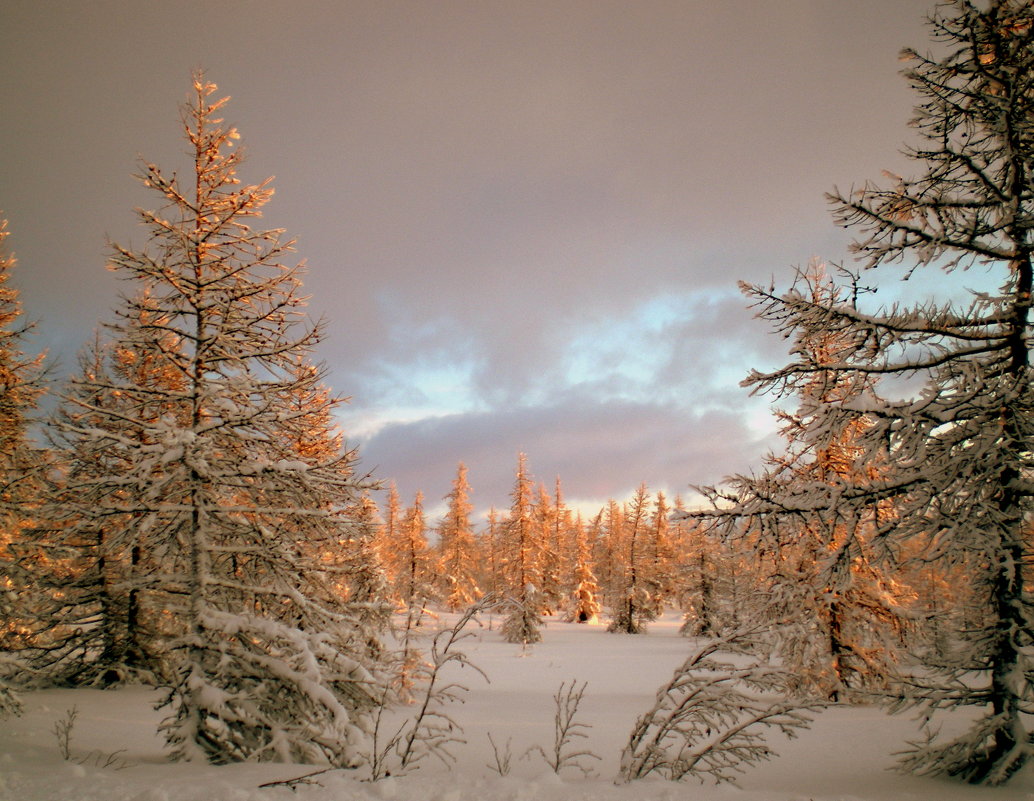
(524, 221)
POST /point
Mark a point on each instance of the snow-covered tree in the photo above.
(583, 605)
(549, 515)
(521, 573)
(840, 610)
(365, 584)
(457, 548)
(413, 568)
(267, 661)
(387, 539)
(704, 576)
(630, 607)
(658, 561)
(958, 446)
(414, 587)
(607, 533)
(104, 621)
(20, 468)
(490, 546)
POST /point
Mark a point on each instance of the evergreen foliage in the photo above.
(583, 605)
(631, 606)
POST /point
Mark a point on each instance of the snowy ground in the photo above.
(844, 756)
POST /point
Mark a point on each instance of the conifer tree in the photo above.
(413, 584)
(491, 546)
(104, 589)
(387, 541)
(549, 515)
(413, 573)
(659, 558)
(960, 447)
(365, 583)
(521, 570)
(840, 611)
(583, 605)
(631, 604)
(269, 661)
(456, 547)
(21, 465)
(608, 533)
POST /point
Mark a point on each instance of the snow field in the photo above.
(844, 756)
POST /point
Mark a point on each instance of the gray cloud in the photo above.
(599, 450)
(490, 196)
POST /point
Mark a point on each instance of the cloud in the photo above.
(524, 221)
(600, 449)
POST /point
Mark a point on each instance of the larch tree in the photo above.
(521, 569)
(21, 464)
(630, 607)
(958, 448)
(659, 558)
(387, 539)
(364, 581)
(413, 572)
(549, 516)
(853, 601)
(564, 536)
(267, 661)
(583, 605)
(457, 552)
(838, 610)
(608, 560)
(105, 590)
(490, 546)
(414, 587)
(352, 563)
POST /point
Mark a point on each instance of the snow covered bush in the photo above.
(431, 731)
(522, 624)
(712, 720)
(566, 729)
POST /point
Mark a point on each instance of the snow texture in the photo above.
(844, 756)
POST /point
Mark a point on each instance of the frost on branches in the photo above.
(712, 720)
(521, 565)
(20, 468)
(840, 613)
(456, 547)
(955, 453)
(209, 451)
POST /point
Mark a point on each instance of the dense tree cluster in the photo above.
(624, 566)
